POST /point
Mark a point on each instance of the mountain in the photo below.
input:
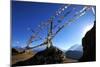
(74, 54)
(19, 49)
(89, 45)
(38, 49)
(76, 47)
(51, 55)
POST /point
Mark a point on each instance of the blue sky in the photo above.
(31, 14)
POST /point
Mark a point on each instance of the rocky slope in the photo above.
(51, 55)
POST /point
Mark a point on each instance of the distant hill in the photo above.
(74, 54)
(76, 47)
(38, 49)
(19, 49)
(14, 51)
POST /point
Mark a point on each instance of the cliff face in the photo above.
(89, 45)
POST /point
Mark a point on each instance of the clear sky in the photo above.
(30, 14)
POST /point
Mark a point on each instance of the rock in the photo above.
(89, 45)
(51, 55)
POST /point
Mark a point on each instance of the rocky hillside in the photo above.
(51, 55)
